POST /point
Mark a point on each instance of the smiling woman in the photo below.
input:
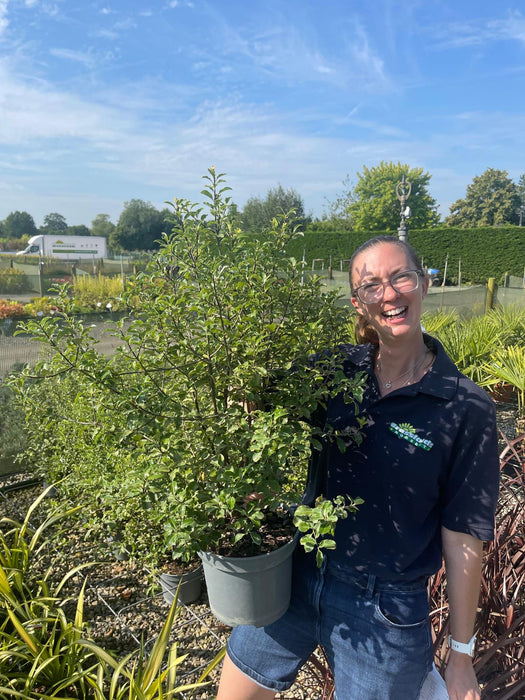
(427, 469)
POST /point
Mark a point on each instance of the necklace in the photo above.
(411, 371)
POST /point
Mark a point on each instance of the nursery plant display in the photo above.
(206, 411)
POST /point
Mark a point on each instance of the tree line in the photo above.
(369, 205)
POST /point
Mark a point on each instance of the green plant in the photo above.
(12, 280)
(143, 676)
(508, 365)
(11, 425)
(95, 293)
(212, 389)
(437, 323)
(44, 305)
(470, 344)
(512, 319)
(45, 655)
(42, 656)
(19, 542)
(319, 521)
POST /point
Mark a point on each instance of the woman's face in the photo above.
(396, 314)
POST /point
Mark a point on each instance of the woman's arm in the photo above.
(463, 556)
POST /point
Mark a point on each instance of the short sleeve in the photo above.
(471, 490)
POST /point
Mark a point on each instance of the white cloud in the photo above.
(480, 32)
(4, 22)
(512, 27)
(84, 58)
(106, 34)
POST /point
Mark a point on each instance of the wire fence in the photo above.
(19, 350)
(468, 301)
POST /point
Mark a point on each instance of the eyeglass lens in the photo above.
(402, 282)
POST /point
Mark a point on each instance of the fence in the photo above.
(16, 351)
(36, 279)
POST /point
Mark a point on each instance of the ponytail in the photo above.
(365, 332)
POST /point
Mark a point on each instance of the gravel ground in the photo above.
(120, 606)
(121, 609)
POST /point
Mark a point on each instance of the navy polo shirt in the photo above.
(429, 457)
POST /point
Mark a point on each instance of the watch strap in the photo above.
(461, 647)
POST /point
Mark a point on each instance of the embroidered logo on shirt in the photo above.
(407, 432)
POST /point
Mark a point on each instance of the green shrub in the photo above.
(11, 424)
(12, 281)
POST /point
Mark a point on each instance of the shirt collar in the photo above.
(441, 380)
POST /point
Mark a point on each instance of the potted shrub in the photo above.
(215, 384)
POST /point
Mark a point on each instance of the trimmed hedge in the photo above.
(484, 252)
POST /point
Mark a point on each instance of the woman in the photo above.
(427, 469)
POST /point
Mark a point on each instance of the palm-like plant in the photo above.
(508, 365)
(470, 344)
(145, 677)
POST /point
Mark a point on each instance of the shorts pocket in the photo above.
(402, 609)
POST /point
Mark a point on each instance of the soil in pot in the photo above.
(187, 579)
(276, 531)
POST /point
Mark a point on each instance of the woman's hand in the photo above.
(460, 678)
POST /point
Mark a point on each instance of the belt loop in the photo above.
(370, 586)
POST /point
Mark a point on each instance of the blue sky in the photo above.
(102, 101)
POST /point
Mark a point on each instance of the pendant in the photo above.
(388, 385)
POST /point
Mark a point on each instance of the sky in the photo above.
(104, 101)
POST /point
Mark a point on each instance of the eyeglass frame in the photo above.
(355, 292)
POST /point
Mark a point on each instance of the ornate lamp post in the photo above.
(403, 193)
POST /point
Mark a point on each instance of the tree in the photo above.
(54, 223)
(259, 213)
(521, 192)
(338, 209)
(102, 226)
(139, 227)
(521, 188)
(79, 230)
(18, 224)
(374, 206)
(492, 199)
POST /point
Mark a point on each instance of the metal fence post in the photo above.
(41, 277)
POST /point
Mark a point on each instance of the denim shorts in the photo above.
(376, 634)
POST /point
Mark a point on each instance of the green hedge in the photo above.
(484, 252)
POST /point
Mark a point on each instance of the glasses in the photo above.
(402, 282)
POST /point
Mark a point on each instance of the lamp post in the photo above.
(403, 193)
(521, 211)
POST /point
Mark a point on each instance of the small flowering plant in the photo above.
(11, 309)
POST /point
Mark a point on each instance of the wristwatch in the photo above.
(462, 648)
